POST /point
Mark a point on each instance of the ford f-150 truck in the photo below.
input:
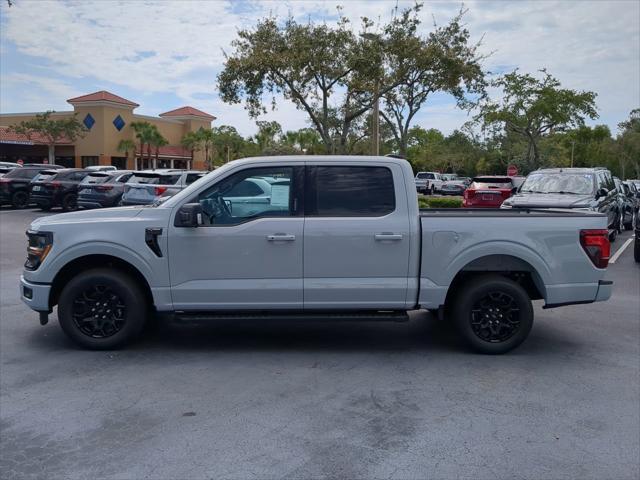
(310, 237)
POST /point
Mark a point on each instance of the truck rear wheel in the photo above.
(102, 309)
(493, 314)
(20, 199)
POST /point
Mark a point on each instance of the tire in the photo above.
(485, 299)
(636, 248)
(20, 199)
(109, 292)
(70, 202)
(629, 225)
(432, 190)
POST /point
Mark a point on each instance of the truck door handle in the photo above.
(281, 238)
(380, 237)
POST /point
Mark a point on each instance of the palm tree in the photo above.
(126, 146)
(207, 137)
(144, 133)
(157, 140)
(191, 142)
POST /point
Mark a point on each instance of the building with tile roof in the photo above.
(107, 118)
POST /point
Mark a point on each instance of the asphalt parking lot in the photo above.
(316, 400)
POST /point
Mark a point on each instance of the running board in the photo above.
(386, 316)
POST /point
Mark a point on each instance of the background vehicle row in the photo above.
(50, 186)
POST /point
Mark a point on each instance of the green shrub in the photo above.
(439, 202)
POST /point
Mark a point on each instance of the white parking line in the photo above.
(620, 250)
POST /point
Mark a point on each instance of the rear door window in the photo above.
(350, 191)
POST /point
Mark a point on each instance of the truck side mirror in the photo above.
(189, 215)
(602, 192)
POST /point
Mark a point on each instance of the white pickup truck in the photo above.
(310, 237)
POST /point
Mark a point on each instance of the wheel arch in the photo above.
(509, 266)
(88, 262)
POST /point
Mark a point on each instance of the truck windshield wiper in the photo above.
(563, 192)
(533, 191)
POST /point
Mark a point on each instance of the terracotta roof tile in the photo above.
(102, 95)
(8, 136)
(186, 111)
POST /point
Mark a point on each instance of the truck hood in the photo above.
(549, 200)
(87, 216)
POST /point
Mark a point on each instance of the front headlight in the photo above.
(39, 246)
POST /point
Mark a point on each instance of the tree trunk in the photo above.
(52, 154)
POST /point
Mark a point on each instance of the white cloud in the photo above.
(176, 47)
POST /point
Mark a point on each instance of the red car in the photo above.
(488, 192)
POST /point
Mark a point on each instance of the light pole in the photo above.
(375, 114)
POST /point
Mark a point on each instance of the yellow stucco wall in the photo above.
(103, 138)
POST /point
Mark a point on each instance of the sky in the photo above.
(167, 54)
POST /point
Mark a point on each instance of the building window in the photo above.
(68, 162)
(119, 162)
(119, 123)
(88, 161)
(88, 121)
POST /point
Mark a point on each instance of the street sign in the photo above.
(512, 170)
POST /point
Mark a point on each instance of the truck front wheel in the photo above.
(493, 314)
(102, 309)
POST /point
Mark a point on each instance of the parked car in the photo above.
(101, 168)
(488, 192)
(14, 186)
(43, 165)
(589, 189)
(9, 165)
(634, 190)
(338, 238)
(57, 188)
(102, 189)
(5, 170)
(453, 187)
(626, 206)
(144, 188)
(428, 182)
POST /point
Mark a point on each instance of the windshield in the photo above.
(151, 179)
(423, 176)
(94, 178)
(490, 182)
(44, 176)
(571, 183)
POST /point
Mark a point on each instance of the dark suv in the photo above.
(102, 189)
(576, 188)
(14, 185)
(57, 188)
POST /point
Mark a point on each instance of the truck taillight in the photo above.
(596, 245)
(104, 188)
(160, 190)
(56, 184)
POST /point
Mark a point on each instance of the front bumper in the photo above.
(35, 295)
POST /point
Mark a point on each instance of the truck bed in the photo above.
(542, 243)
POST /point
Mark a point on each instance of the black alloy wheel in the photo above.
(70, 202)
(102, 308)
(20, 199)
(495, 317)
(99, 312)
(493, 313)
